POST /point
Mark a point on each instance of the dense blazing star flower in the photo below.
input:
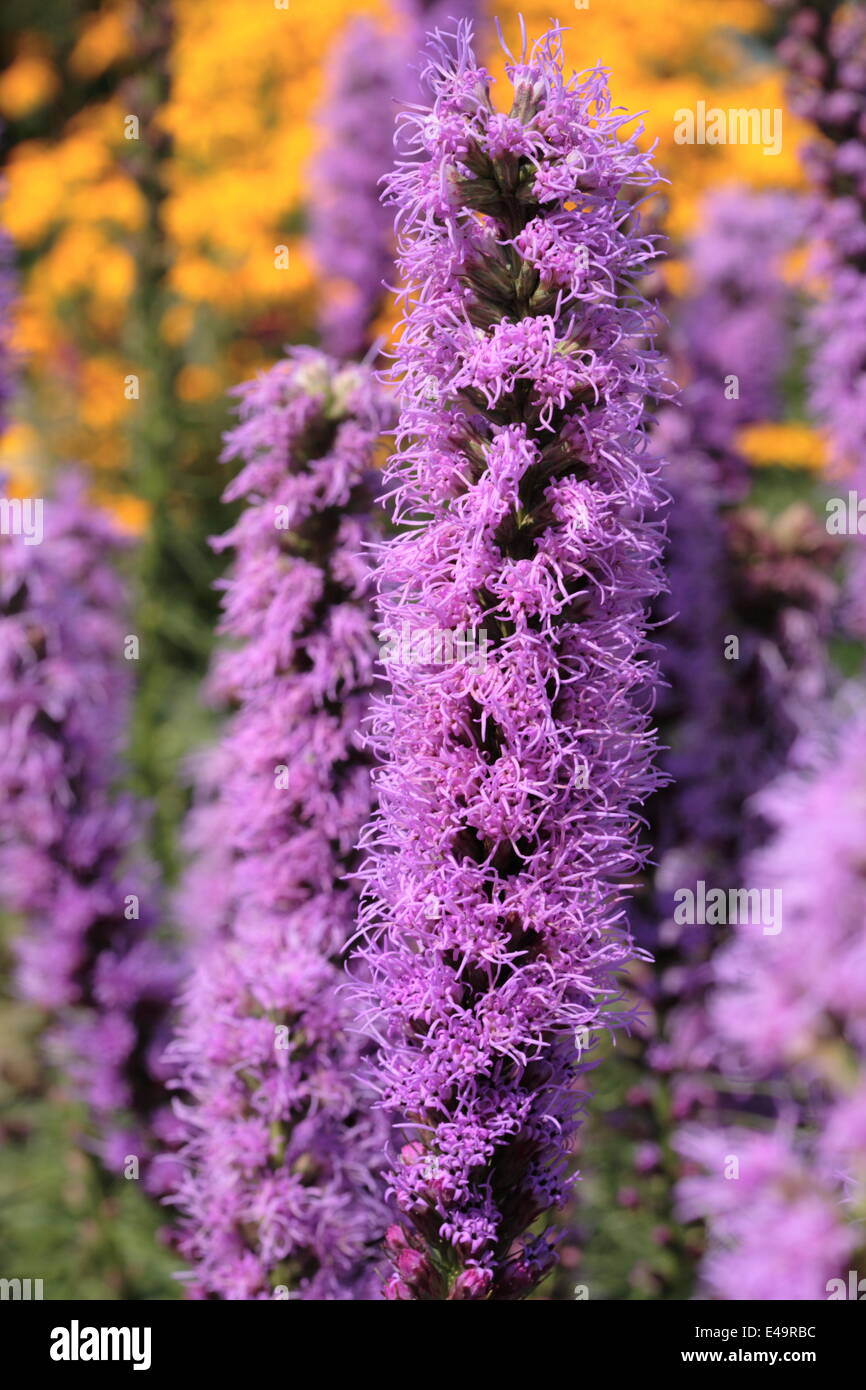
(281, 1143)
(493, 932)
(87, 953)
(352, 232)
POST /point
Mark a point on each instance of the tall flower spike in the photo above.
(87, 952)
(352, 233)
(825, 50)
(734, 373)
(282, 1146)
(493, 927)
(371, 70)
(788, 1010)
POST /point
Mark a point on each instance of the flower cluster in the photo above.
(788, 1013)
(281, 1146)
(493, 922)
(88, 952)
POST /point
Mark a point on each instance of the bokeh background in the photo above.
(154, 258)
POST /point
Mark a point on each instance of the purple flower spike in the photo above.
(824, 50)
(352, 232)
(282, 1145)
(87, 953)
(515, 743)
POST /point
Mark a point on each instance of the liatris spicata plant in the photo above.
(742, 631)
(282, 1146)
(825, 50)
(88, 954)
(751, 597)
(352, 232)
(732, 333)
(493, 924)
(787, 1011)
(372, 68)
(776, 1230)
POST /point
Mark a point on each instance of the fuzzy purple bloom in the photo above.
(825, 50)
(281, 1146)
(88, 953)
(788, 1008)
(515, 741)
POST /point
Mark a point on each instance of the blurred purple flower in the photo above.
(373, 72)
(788, 1014)
(776, 1232)
(88, 952)
(281, 1147)
(733, 331)
(352, 232)
(825, 51)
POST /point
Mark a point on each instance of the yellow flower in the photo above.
(103, 403)
(196, 382)
(105, 38)
(790, 445)
(131, 513)
(28, 82)
(19, 456)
